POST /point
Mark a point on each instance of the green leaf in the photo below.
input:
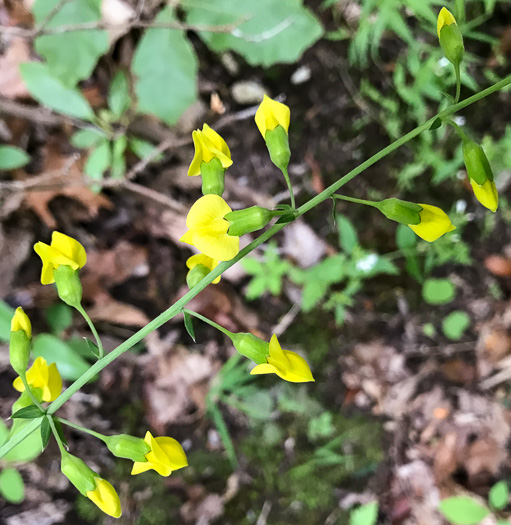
(12, 158)
(499, 495)
(286, 218)
(45, 432)
(119, 95)
(87, 138)
(365, 515)
(92, 346)
(6, 314)
(438, 291)
(462, 510)
(118, 162)
(143, 148)
(273, 31)
(455, 324)
(71, 366)
(4, 432)
(405, 238)
(59, 317)
(12, 487)
(99, 161)
(348, 238)
(72, 55)
(189, 324)
(51, 92)
(29, 448)
(30, 412)
(166, 68)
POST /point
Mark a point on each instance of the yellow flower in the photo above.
(207, 229)
(486, 194)
(434, 223)
(46, 378)
(20, 321)
(286, 364)
(166, 455)
(445, 18)
(106, 498)
(64, 251)
(271, 114)
(206, 261)
(208, 145)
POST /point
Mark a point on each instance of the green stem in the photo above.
(56, 435)
(222, 267)
(30, 393)
(459, 131)
(210, 322)
(458, 82)
(93, 330)
(81, 429)
(353, 199)
(289, 187)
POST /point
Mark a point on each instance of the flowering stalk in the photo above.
(178, 306)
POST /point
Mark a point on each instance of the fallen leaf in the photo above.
(11, 83)
(498, 265)
(108, 309)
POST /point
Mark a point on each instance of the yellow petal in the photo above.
(194, 168)
(141, 466)
(216, 146)
(271, 114)
(54, 383)
(174, 452)
(106, 498)
(220, 247)
(486, 194)
(187, 237)
(207, 211)
(263, 368)
(20, 321)
(434, 223)
(298, 370)
(18, 385)
(70, 247)
(206, 261)
(445, 18)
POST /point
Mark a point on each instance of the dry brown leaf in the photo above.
(303, 244)
(498, 265)
(108, 309)
(203, 512)
(14, 247)
(11, 83)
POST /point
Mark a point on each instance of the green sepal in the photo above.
(286, 218)
(476, 162)
(68, 284)
(213, 177)
(437, 122)
(19, 351)
(45, 430)
(127, 447)
(196, 274)
(251, 346)
(187, 318)
(451, 41)
(78, 473)
(30, 412)
(277, 142)
(248, 220)
(400, 211)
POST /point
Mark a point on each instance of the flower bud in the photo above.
(400, 211)
(69, 286)
(128, 447)
(19, 346)
(213, 177)
(251, 346)
(78, 473)
(277, 142)
(450, 37)
(248, 220)
(208, 145)
(195, 275)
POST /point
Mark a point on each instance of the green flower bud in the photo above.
(400, 211)
(19, 346)
(476, 162)
(68, 284)
(277, 142)
(452, 43)
(213, 176)
(128, 447)
(196, 274)
(251, 346)
(78, 473)
(248, 220)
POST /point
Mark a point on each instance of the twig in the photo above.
(47, 19)
(39, 114)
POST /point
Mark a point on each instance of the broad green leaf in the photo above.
(166, 67)
(272, 31)
(118, 161)
(12, 487)
(462, 510)
(86, 138)
(99, 160)
(29, 448)
(4, 432)
(12, 158)
(365, 515)
(59, 317)
(71, 56)
(455, 324)
(499, 495)
(51, 92)
(30, 412)
(348, 238)
(143, 148)
(438, 291)
(71, 366)
(6, 314)
(405, 238)
(119, 94)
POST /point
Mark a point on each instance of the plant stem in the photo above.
(458, 83)
(30, 393)
(353, 199)
(289, 187)
(56, 435)
(82, 429)
(93, 330)
(209, 321)
(222, 267)
(459, 131)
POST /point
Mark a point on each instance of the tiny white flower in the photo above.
(367, 263)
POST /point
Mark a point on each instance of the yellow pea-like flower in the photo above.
(208, 145)
(106, 498)
(445, 18)
(63, 250)
(204, 260)
(43, 377)
(165, 456)
(434, 223)
(207, 229)
(286, 364)
(20, 321)
(271, 114)
(486, 194)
